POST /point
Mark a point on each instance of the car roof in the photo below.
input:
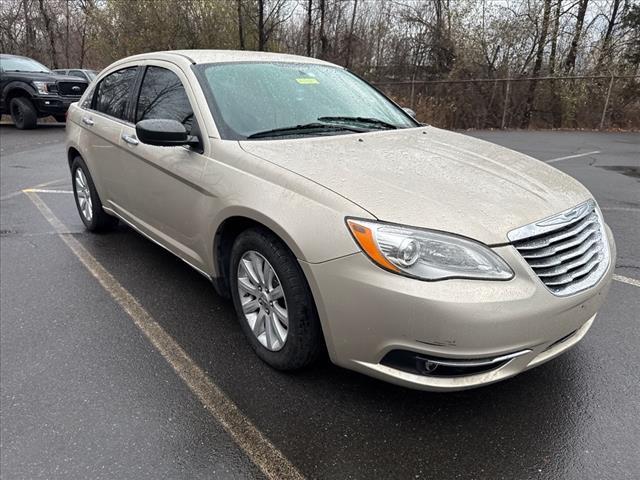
(229, 56)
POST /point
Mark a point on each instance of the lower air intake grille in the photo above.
(568, 251)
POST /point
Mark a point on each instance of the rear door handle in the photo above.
(87, 121)
(130, 139)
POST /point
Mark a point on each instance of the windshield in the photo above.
(91, 74)
(19, 64)
(252, 98)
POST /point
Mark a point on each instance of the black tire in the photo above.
(23, 113)
(100, 220)
(60, 118)
(304, 342)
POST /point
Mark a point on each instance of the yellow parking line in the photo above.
(255, 445)
(45, 190)
(19, 192)
(631, 281)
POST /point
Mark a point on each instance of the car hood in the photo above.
(430, 178)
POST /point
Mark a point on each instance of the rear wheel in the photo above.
(273, 301)
(23, 113)
(87, 200)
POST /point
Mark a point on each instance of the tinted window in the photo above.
(60, 72)
(76, 73)
(112, 95)
(163, 96)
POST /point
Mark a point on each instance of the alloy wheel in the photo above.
(83, 195)
(264, 305)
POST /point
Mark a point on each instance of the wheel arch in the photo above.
(225, 235)
(72, 153)
(17, 89)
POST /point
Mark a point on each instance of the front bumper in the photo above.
(367, 312)
(53, 104)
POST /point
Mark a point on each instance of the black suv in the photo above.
(29, 90)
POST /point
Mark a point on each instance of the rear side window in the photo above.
(112, 95)
(162, 96)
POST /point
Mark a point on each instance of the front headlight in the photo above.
(41, 87)
(426, 254)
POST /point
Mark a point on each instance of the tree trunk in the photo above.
(531, 94)
(556, 106)
(570, 61)
(240, 30)
(261, 35)
(324, 42)
(309, 26)
(66, 46)
(350, 39)
(50, 33)
(29, 33)
(606, 43)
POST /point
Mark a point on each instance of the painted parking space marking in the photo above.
(20, 192)
(577, 155)
(256, 446)
(631, 281)
(621, 209)
(42, 190)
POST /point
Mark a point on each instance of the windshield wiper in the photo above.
(365, 120)
(306, 128)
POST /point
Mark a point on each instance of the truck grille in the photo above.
(71, 89)
(568, 251)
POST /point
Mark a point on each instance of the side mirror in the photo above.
(164, 133)
(409, 112)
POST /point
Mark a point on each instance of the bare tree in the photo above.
(570, 61)
(531, 94)
(324, 41)
(309, 25)
(50, 33)
(240, 29)
(350, 39)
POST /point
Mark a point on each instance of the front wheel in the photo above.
(87, 199)
(273, 301)
(23, 113)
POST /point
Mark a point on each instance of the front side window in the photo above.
(112, 95)
(255, 97)
(162, 96)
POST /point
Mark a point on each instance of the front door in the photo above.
(165, 198)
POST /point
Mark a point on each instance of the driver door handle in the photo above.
(130, 139)
(87, 121)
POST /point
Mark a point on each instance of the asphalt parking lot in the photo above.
(85, 393)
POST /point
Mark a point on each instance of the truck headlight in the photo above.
(41, 87)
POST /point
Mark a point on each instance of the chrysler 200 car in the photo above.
(336, 222)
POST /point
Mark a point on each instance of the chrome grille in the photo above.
(568, 251)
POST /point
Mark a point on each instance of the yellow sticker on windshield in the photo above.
(307, 81)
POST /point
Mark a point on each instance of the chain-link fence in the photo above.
(589, 102)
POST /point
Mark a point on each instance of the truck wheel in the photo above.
(23, 113)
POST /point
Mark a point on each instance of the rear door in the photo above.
(165, 197)
(103, 122)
